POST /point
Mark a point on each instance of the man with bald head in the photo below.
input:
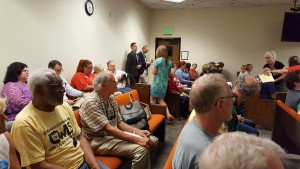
(246, 86)
(213, 105)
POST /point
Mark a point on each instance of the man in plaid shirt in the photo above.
(103, 127)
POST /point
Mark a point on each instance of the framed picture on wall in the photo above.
(184, 55)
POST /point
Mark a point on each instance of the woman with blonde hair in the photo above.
(161, 70)
(8, 156)
(83, 78)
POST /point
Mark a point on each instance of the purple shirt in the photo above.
(18, 96)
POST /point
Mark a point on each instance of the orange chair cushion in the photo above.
(111, 161)
(77, 117)
(124, 98)
(155, 121)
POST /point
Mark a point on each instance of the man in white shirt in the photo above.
(120, 77)
(57, 67)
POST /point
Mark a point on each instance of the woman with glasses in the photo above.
(16, 90)
(83, 78)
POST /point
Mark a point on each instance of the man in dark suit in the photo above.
(143, 71)
(133, 65)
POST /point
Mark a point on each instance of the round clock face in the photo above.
(89, 7)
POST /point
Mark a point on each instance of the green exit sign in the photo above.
(168, 31)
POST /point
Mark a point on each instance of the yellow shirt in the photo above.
(49, 136)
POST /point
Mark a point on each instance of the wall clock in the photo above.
(89, 7)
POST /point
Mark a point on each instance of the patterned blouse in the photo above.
(18, 96)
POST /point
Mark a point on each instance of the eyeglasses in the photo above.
(59, 85)
(233, 96)
(91, 67)
(59, 71)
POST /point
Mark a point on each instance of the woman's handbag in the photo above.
(147, 110)
(134, 114)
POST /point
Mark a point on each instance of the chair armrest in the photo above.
(157, 109)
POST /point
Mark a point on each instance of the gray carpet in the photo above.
(164, 148)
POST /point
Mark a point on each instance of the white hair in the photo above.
(2, 104)
(98, 67)
(40, 77)
(247, 89)
(100, 80)
(271, 53)
(239, 150)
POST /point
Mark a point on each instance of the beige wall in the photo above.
(234, 36)
(37, 31)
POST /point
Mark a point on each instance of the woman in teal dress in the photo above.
(162, 67)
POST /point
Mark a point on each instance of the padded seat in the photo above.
(111, 161)
(155, 120)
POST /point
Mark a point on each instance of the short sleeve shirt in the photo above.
(277, 65)
(80, 81)
(292, 68)
(192, 141)
(95, 113)
(49, 136)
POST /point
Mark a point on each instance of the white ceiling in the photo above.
(189, 4)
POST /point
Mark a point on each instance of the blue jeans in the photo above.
(124, 90)
(247, 126)
(86, 166)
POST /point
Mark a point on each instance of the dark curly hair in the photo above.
(291, 78)
(13, 71)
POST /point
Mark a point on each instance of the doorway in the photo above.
(173, 46)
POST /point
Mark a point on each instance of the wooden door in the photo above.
(173, 45)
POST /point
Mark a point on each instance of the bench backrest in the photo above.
(125, 99)
(286, 128)
(260, 110)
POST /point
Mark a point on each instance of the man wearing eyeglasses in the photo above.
(104, 128)
(213, 105)
(46, 133)
(57, 67)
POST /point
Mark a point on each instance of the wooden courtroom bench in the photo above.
(156, 123)
(173, 102)
(261, 111)
(286, 128)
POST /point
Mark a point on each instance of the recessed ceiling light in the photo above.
(175, 1)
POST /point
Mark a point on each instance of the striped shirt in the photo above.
(95, 113)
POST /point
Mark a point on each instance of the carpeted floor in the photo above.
(164, 148)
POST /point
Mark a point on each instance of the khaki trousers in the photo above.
(143, 77)
(109, 145)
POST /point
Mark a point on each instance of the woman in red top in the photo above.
(175, 87)
(294, 64)
(193, 73)
(83, 78)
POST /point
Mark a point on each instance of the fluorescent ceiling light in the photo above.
(175, 1)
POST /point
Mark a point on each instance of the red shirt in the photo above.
(193, 74)
(292, 68)
(80, 80)
(172, 85)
